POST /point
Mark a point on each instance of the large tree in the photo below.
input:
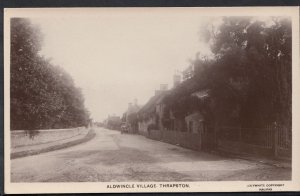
(42, 95)
(253, 57)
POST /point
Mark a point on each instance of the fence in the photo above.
(184, 139)
(271, 141)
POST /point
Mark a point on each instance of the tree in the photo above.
(42, 95)
(256, 55)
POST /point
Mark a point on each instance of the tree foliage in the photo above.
(254, 58)
(249, 75)
(42, 95)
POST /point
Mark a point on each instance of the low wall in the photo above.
(51, 146)
(184, 139)
(20, 138)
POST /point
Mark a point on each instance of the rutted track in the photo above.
(115, 157)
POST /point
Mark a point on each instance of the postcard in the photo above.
(108, 100)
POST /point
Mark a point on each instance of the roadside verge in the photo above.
(53, 146)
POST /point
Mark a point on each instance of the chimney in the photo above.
(129, 106)
(176, 80)
(164, 87)
(135, 102)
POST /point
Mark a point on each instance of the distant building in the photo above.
(130, 116)
(113, 122)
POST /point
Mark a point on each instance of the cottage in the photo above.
(150, 115)
(195, 122)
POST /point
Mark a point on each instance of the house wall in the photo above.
(143, 126)
(194, 122)
(196, 126)
(180, 125)
(159, 112)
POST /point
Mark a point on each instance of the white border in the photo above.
(208, 186)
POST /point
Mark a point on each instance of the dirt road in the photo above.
(112, 156)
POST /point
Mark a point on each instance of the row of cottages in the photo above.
(155, 122)
(150, 115)
(196, 131)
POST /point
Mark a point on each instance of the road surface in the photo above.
(115, 157)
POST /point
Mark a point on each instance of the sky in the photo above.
(116, 57)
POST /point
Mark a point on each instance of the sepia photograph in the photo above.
(150, 99)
